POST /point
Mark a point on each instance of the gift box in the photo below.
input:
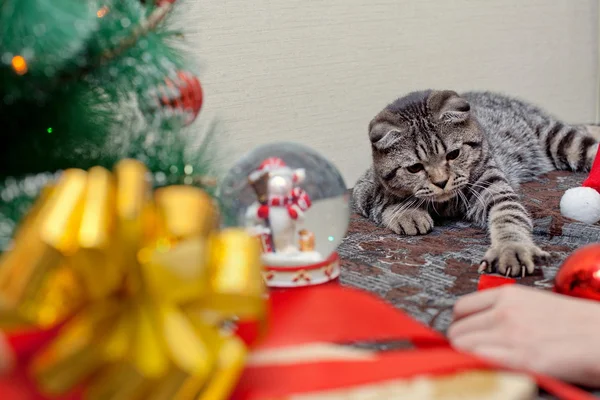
(332, 342)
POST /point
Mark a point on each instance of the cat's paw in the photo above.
(513, 258)
(409, 222)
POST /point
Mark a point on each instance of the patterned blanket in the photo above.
(424, 275)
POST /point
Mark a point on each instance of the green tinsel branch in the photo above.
(88, 94)
(80, 82)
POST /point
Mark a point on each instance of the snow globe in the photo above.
(295, 202)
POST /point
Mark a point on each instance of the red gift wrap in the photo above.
(322, 314)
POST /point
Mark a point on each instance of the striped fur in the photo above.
(440, 154)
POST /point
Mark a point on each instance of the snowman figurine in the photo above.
(280, 207)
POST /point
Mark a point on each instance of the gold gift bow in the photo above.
(139, 277)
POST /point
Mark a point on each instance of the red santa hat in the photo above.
(272, 164)
(583, 203)
(593, 179)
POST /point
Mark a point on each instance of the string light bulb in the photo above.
(102, 12)
(19, 65)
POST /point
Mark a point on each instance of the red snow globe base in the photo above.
(303, 275)
(296, 204)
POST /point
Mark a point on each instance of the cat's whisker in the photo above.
(461, 198)
(476, 195)
(433, 206)
(485, 190)
(461, 195)
(405, 207)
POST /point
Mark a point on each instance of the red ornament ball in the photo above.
(579, 276)
(184, 95)
(159, 3)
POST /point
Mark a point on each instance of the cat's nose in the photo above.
(441, 184)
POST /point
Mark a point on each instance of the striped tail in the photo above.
(571, 147)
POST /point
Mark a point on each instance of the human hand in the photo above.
(526, 328)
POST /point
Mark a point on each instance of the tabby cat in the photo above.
(441, 154)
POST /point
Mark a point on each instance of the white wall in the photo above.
(317, 71)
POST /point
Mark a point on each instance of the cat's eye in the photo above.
(453, 154)
(413, 169)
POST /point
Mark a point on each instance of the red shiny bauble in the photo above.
(183, 95)
(158, 3)
(579, 276)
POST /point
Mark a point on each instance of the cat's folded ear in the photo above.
(383, 134)
(448, 106)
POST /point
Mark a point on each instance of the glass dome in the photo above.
(296, 203)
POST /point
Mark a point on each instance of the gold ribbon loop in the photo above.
(96, 235)
(185, 212)
(132, 199)
(77, 351)
(32, 288)
(136, 273)
(188, 350)
(61, 215)
(236, 281)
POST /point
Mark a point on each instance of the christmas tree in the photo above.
(110, 245)
(87, 83)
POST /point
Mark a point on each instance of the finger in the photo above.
(501, 355)
(480, 322)
(471, 340)
(475, 302)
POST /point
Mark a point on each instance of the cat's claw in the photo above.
(483, 267)
(523, 272)
(513, 258)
